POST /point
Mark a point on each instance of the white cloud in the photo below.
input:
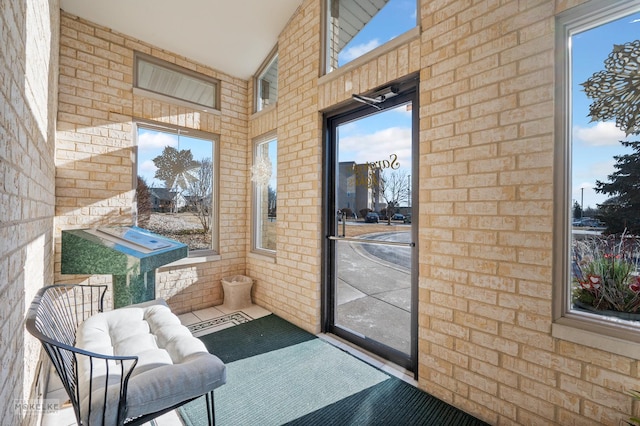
(379, 146)
(147, 168)
(603, 168)
(586, 178)
(155, 140)
(356, 51)
(403, 110)
(598, 170)
(602, 134)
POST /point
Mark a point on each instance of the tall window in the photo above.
(264, 175)
(355, 27)
(176, 190)
(267, 84)
(599, 47)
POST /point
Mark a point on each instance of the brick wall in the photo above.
(486, 237)
(95, 145)
(486, 202)
(486, 192)
(28, 93)
(290, 284)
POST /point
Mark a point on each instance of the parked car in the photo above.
(588, 222)
(397, 216)
(372, 217)
(407, 219)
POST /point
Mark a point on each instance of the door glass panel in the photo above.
(373, 253)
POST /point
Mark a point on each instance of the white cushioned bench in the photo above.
(133, 363)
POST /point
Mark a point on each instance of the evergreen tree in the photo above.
(622, 210)
(143, 202)
(577, 210)
(615, 93)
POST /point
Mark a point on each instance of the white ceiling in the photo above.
(232, 36)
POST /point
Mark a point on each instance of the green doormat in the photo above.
(279, 374)
(255, 337)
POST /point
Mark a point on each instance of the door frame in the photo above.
(407, 91)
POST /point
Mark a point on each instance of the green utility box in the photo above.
(129, 253)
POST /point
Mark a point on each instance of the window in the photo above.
(179, 84)
(355, 27)
(267, 84)
(176, 191)
(264, 175)
(598, 179)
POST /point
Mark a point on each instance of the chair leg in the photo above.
(211, 412)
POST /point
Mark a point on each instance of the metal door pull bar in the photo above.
(365, 241)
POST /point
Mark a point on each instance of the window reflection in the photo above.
(175, 185)
(267, 83)
(355, 27)
(264, 177)
(605, 204)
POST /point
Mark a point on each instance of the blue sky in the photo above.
(595, 143)
(273, 158)
(151, 143)
(394, 19)
(377, 137)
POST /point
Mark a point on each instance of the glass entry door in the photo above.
(370, 278)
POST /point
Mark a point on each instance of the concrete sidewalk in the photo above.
(374, 296)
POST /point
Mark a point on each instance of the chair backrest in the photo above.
(53, 318)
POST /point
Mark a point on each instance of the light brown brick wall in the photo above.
(486, 202)
(486, 152)
(28, 96)
(290, 285)
(95, 143)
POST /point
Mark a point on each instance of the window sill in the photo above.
(604, 337)
(269, 258)
(208, 256)
(264, 110)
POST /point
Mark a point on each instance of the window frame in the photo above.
(585, 328)
(202, 254)
(413, 32)
(256, 196)
(257, 86)
(139, 56)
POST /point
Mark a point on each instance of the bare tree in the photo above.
(199, 193)
(394, 190)
(272, 204)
